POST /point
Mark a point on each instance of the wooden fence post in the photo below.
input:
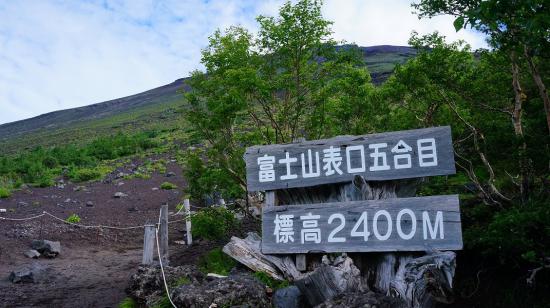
(188, 221)
(163, 229)
(148, 245)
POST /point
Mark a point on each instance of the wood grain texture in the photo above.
(352, 211)
(445, 159)
(163, 234)
(148, 245)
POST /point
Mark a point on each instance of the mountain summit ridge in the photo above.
(380, 59)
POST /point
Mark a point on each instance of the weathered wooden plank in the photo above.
(436, 225)
(163, 236)
(386, 156)
(148, 245)
(188, 231)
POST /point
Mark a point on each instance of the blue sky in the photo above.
(64, 54)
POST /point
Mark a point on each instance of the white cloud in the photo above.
(56, 54)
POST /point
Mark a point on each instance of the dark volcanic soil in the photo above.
(95, 264)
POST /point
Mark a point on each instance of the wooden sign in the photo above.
(386, 156)
(400, 224)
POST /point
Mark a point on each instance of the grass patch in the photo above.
(73, 218)
(5, 192)
(216, 261)
(270, 282)
(128, 302)
(168, 186)
(85, 174)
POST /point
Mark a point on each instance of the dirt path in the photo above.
(94, 265)
(79, 277)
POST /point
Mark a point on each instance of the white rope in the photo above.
(22, 219)
(161, 266)
(81, 225)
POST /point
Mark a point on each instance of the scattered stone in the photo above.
(67, 200)
(147, 285)
(119, 183)
(32, 254)
(22, 276)
(154, 188)
(239, 290)
(47, 248)
(22, 203)
(170, 174)
(78, 188)
(27, 274)
(364, 300)
(89, 203)
(289, 297)
(120, 195)
(214, 275)
(120, 175)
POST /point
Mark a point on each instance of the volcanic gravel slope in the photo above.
(95, 264)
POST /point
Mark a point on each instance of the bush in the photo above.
(168, 186)
(73, 219)
(4, 192)
(513, 235)
(84, 174)
(213, 223)
(270, 282)
(128, 302)
(216, 261)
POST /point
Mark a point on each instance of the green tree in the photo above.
(275, 87)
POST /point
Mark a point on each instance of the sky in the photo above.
(64, 54)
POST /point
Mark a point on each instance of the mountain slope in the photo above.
(153, 109)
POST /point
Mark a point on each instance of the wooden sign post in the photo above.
(402, 224)
(313, 205)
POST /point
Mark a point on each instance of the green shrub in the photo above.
(73, 218)
(213, 223)
(216, 261)
(270, 282)
(128, 302)
(84, 174)
(168, 186)
(5, 192)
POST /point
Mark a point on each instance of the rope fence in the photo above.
(45, 213)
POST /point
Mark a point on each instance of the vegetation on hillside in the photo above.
(289, 81)
(40, 166)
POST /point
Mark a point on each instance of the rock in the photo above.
(78, 188)
(119, 183)
(240, 290)
(22, 276)
(146, 285)
(22, 203)
(154, 188)
(89, 203)
(27, 274)
(47, 248)
(119, 194)
(289, 297)
(170, 174)
(33, 254)
(214, 275)
(67, 200)
(364, 300)
(120, 175)
(330, 279)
